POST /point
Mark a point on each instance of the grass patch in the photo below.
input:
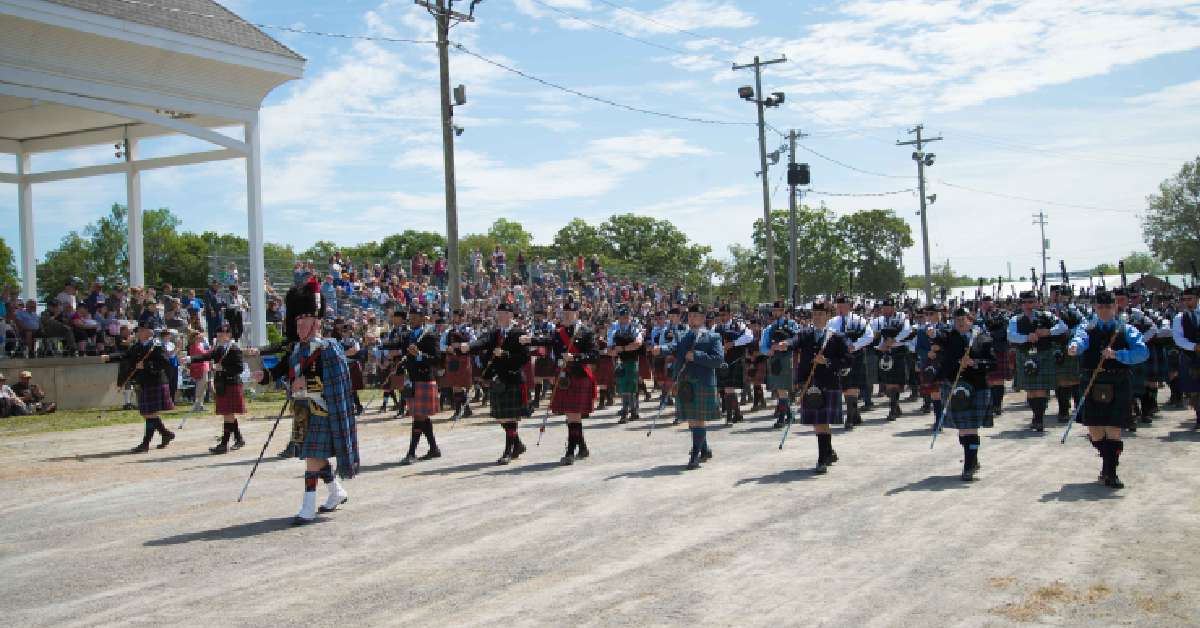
(67, 420)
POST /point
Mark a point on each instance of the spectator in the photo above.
(235, 307)
(29, 326)
(274, 312)
(329, 295)
(95, 298)
(152, 315)
(54, 327)
(199, 371)
(499, 261)
(212, 307)
(10, 403)
(32, 395)
(66, 298)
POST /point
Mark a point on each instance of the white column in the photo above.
(133, 200)
(256, 328)
(25, 221)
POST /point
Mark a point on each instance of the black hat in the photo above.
(440, 320)
(986, 297)
(1193, 291)
(401, 312)
(418, 310)
(1103, 297)
(820, 306)
(675, 310)
(695, 307)
(1118, 292)
(1027, 294)
(505, 307)
(661, 314)
(961, 311)
(301, 300)
(147, 324)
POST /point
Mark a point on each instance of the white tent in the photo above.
(77, 73)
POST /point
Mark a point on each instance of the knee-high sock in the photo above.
(1063, 394)
(824, 446)
(1038, 404)
(970, 445)
(310, 481)
(226, 432)
(579, 440)
(997, 395)
(572, 438)
(937, 409)
(149, 432)
(427, 429)
(237, 431)
(698, 444)
(414, 437)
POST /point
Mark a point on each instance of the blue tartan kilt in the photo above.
(627, 378)
(1067, 373)
(318, 439)
(1115, 413)
(978, 415)
(424, 401)
(829, 414)
(1188, 382)
(154, 399)
(898, 375)
(700, 403)
(1047, 375)
(870, 367)
(779, 371)
(507, 400)
(734, 375)
(1158, 367)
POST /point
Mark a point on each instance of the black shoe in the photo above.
(1113, 481)
(892, 414)
(1146, 420)
(166, 440)
(128, 406)
(323, 509)
(567, 460)
(868, 405)
(821, 468)
(301, 521)
(706, 455)
(926, 408)
(780, 422)
(467, 413)
(693, 461)
(583, 453)
(518, 449)
(1037, 426)
(289, 451)
(219, 449)
(431, 454)
(848, 425)
(968, 474)
(832, 458)
(635, 416)
(407, 460)
(912, 397)
(647, 397)
(238, 443)
(623, 417)
(504, 460)
(998, 410)
(140, 449)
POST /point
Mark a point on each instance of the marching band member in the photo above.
(1033, 332)
(699, 354)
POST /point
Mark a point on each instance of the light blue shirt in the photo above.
(1135, 354)
(1059, 329)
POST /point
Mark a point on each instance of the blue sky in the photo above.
(1080, 103)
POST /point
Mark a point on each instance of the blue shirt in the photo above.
(1135, 354)
(764, 344)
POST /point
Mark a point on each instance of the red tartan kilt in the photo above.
(460, 377)
(424, 401)
(577, 398)
(528, 371)
(356, 375)
(231, 400)
(644, 370)
(545, 367)
(606, 371)
(1004, 370)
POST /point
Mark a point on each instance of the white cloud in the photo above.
(685, 15)
(1180, 96)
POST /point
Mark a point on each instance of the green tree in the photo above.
(877, 239)
(649, 247)
(1171, 225)
(1143, 263)
(576, 238)
(8, 266)
(1101, 269)
(511, 236)
(404, 246)
(822, 255)
(71, 258)
(320, 251)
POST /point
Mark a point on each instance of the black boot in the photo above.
(693, 460)
(1064, 403)
(223, 446)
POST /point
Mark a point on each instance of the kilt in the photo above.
(605, 371)
(318, 439)
(1137, 377)
(154, 399)
(644, 370)
(458, 372)
(857, 377)
(356, 375)
(577, 398)
(734, 375)
(870, 367)
(1158, 367)
(898, 375)
(1067, 373)
(662, 374)
(527, 371)
(1047, 375)
(544, 367)
(1115, 413)
(230, 400)
(1004, 368)
(703, 404)
(627, 378)
(830, 414)
(928, 383)
(978, 415)
(394, 382)
(757, 373)
(780, 371)
(424, 401)
(508, 401)
(1188, 383)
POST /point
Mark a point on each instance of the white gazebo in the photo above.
(77, 73)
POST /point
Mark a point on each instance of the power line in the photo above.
(599, 99)
(610, 30)
(850, 167)
(891, 193)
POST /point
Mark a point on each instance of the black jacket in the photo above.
(507, 366)
(951, 353)
(229, 359)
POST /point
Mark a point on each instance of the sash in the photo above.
(569, 341)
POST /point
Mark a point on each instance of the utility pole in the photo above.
(774, 101)
(1040, 220)
(441, 10)
(795, 178)
(922, 160)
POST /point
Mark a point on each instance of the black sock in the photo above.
(237, 431)
(697, 439)
(226, 431)
(414, 438)
(997, 395)
(937, 408)
(1063, 394)
(972, 449)
(824, 446)
(326, 473)
(1108, 467)
(572, 438)
(310, 480)
(149, 433)
(1038, 404)
(508, 438)
(162, 429)
(427, 428)
(894, 398)
(579, 436)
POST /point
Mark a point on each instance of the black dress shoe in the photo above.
(821, 468)
(567, 460)
(166, 440)
(431, 454)
(780, 422)
(518, 449)
(140, 449)
(238, 444)
(832, 458)
(407, 460)
(706, 455)
(693, 461)
(219, 449)
(583, 453)
(328, 509)
(504, 460)
(1113, 481)
(301, 521)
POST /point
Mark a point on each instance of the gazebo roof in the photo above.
(201, 18)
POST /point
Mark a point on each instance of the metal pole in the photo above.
(769, 238)
(924, 223)
(25, 225)
(792, 223)
(452, 262)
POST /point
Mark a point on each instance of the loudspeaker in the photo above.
(798, 174)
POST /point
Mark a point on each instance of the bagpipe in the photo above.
(889, 331)
(1042, 319)
(778, 334)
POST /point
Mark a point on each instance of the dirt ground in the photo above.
(890, 537)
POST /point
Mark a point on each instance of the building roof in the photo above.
(199, 18)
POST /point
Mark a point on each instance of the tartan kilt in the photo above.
(977, 416)
(544, 367)
(780, 371)
(857, 377)
(644, 370)
(605, 371)
(734, 375)
(1158, 367)
(318, 439)
(757, 373)
(424, 400)
(898, 375)
(154, 399)
(1115, 413)
(577, 398)
(627, 378)
(527, 371)
(702, 405)
(394, 382)
(458, 372)
(231, 400)
(831, 414)
(508, 401)
(870, 367)
(662, 374)
(356, 375)
(928, 383)
(1187, 382)
(1047, 375)
(1067, 373)
(1004, 368)
(1137, 377)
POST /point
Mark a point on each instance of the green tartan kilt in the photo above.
(779, 371)
(1115, 413)
(870, 367)
(507, 400)
(977, 415)
(627, 378)
(1068, 371)
(1159, 369)
(1047, 375)
(701, 403)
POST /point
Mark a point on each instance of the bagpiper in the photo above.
(699, 354)
(1108, 349)
(457, 376)
(858, 332)
(625, 343)
(736, 339)
(1066, 388)
(780, 361)
(545, 371)
(422, 359)
(995, 321)
(1185, 328)
(228, 365)
(508, 345)
(394, 347)
(1033, 332)
(964, 357)
(892, 331)
(572, 347)
(824, 358)
(146, 365)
